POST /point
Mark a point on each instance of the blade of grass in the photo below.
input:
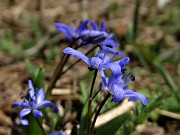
(169, 81)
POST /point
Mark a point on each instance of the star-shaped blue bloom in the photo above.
(71, 32)
(117, 83)
(109, 41)
(82, 33)
(33, 103)
(98, 62)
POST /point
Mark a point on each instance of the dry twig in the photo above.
(119, 110)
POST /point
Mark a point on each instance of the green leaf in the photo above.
(39, 78)
(84, 93)
(33, 127)
(112, 126)
(84, 120)
(167, 78)
(53, 122)
(165, 75)
(31, 68)
(37, 74)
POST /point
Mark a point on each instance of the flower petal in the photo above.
(37, 113)
(124, 61)
(40, 96)
(103, 26)
(93, 36)
(111, 36)
(112, 51)
(117, 93)
(109, 42)
(94, 25)
(104, 85)
(24, 121)
(77, 54)
(46, 103)
(68, 31)
(133, 96)
(105, 58)
(116, 71)
(23, 113)
(115, 68)
(19, 103)
(82, 26)
(31, 89)
(57, 133)
(98, 39)
(95, 63)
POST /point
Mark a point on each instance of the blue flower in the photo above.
(92, 36)
(98, 62)
(71, 33)
(36, 101)
(109, 41)
(117, 83)
(57, 133)
(95, 26)
(82, 33)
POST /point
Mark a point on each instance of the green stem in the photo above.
(96, 94)
(40, 125)
(98, 112)
(94, 111)
(135, 19)
(55, 76)
(58, 71)
(90, 100)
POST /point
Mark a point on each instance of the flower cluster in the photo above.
(34, 102)
(117, 83)
(83, 34)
